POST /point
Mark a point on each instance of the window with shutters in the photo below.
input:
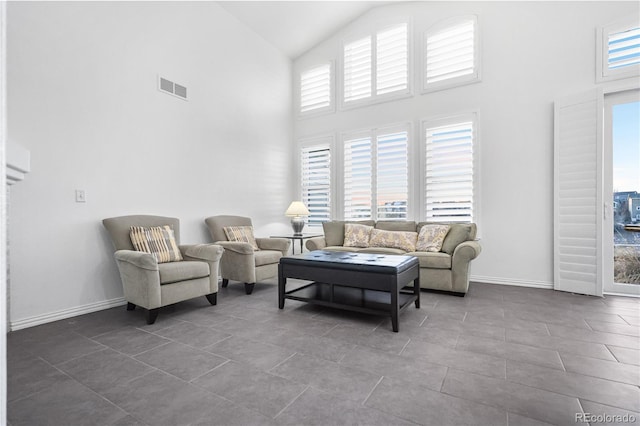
(376, 174)
(449, 169)
(376, 66)
(618, 51)
(316, 90)
(451, 54)
(315, 167)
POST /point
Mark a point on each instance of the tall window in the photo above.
(619, 50)
(316, 89)
(377, 66)
(451, 54)
(315, 162)
(449, 169)
(376, 174)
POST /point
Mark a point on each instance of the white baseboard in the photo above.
(65, 313)
(511, 281)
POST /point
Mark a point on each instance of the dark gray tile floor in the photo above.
(502, 355)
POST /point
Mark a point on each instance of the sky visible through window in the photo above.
(626, 147)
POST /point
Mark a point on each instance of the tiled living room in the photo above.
(484, 151)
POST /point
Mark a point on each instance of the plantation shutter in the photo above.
(392, 56)
(315, 88)
(358, 178)
(623, 48)
(577, 189)
(316, 182)
(450, 52)
(357, 69)
(449, 172)
(392, 175)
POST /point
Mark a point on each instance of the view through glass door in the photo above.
(621, 225)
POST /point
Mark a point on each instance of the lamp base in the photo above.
(297, 223)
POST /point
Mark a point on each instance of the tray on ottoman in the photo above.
(368, 283)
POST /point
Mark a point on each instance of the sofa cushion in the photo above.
(158, 241)
(334, 231)
(241, 234)
(393, 239)
(382, 250)
(432, 260)
(372, 250)
(458, 233)
(267, 257)
(431, 237)
(396, 225)
(356, 235)
(180, 271)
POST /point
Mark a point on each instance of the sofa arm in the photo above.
(279, 244)
(317, 243)
(138, 259)
(206, 252)
(466, 251)
(236, 247)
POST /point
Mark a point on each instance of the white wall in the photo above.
(532, 53)
(83, 98)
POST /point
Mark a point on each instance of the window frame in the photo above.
(463, 80)
(327, 140)
(449, 120)
(373, 134)
(332, 91)
(603, 73)
(374, 98)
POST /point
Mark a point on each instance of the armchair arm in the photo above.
(317, 243)
(140, 278)
(280, 244)
(207, 252)
(137, 258)
(210, 253)
(242, 248)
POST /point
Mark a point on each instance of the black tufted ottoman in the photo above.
(368, 283)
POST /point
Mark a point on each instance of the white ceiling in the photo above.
(296, 26)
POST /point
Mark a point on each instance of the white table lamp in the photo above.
(297, 210)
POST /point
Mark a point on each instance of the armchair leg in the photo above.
(152, 314)
(212, 298)
(248, 287)
(225, 282)
(130, 306)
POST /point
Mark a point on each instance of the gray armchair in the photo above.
(240, 262)
(150, 284)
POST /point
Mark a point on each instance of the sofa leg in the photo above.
(225, 282)
(248, 287)
(212, 298)
(152, 314)
(130, 306)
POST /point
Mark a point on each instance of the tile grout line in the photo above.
(291, 402)
(371, 392)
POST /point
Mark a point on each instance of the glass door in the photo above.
(621, 161)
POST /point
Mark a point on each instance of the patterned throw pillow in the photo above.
(158, 241)
(431, 237)
(356, 235)
(403, 240)
(241, 234)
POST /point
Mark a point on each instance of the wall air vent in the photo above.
(171, 88)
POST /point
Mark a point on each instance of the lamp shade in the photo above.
(297, 208)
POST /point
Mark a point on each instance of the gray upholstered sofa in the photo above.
(447, 270)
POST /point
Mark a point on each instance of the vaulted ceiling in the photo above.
(296, 26)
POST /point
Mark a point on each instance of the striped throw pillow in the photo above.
(158, 241)
(241, 234)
